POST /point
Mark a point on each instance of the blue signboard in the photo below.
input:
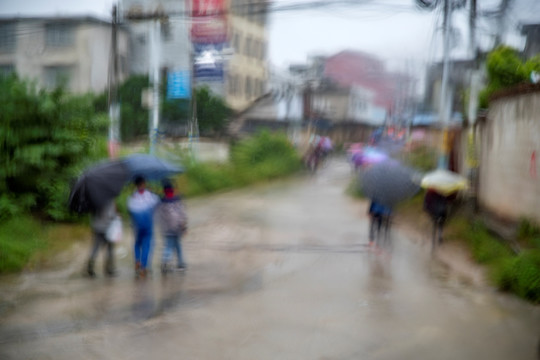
(208, 62)
(179, 85)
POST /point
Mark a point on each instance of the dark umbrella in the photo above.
(101, 183)
(388, 183)
(150, 167)
(98, 185)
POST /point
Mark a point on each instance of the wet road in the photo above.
(279, 271)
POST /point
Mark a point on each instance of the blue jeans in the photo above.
(172, 246)
(143, 243)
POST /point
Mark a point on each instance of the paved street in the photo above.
(277, 271)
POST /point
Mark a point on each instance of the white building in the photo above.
(73, 50)
(173, 44)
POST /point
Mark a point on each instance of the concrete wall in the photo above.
(509, 185)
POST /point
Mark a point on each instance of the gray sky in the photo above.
(391, 29)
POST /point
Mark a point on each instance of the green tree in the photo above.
(506, 69)
(133, 116)
(45, 139)
(212, 112)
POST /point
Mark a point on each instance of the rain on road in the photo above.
(277, 271)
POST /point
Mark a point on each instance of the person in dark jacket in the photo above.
(436, 205)
(100, 222)
(379, 214)
(173, 222)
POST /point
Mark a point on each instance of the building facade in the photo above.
(222, 42)
(74, 51)
(247, 76)
(173, 45)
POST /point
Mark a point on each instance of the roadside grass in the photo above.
(508, 271)
(263, 157)
(58, 237)
(20, 239)
(354, 188)
(26, 243)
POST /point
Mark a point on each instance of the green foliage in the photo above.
(354, 189)
(212, 112)
(520, 275)
(265, 156)
(133, 117)
(45, 138)
(506, 69)
(529, 233)
(422, 157)
(20, 238)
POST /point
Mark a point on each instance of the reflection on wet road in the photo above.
(279, 271)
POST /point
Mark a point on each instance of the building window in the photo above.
(60, 35)
(166, 32)
(261, 87)
(55, 76)
(6, 70)
(248, 48)
(230, 84)
(7, 37)
(260, 54)
(236, 42)
(237, 85)
(248, 89)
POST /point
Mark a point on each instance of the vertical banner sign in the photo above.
(208, 35)
(209, 22)
(179, 85)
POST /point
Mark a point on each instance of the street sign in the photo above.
(208, 62)
(179, 85)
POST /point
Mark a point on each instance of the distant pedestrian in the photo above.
(141, 206)
(173, 222)
(101, 220)
(436, 205)
(380, 215)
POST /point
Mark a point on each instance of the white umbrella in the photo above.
(443, 181)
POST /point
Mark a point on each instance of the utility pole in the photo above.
(114, 108)
(444, 106)
(501, 23)
(193, 127)
(155, 52)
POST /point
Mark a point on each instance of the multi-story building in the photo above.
(223, 42)
(246, 71)
(73, 50)
(174, 43)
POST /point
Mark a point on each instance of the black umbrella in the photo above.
(388, 183)
(101, 183)
(98, 185)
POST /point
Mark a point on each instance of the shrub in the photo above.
(422, 157)
(45, 137)
(519, 274)
(20, 238)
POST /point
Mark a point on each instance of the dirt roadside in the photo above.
(452, 254)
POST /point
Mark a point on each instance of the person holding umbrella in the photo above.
(141, 206)
(379, 214)
(101, 221)
(436, 205)
(442, 188)
(173, 221)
